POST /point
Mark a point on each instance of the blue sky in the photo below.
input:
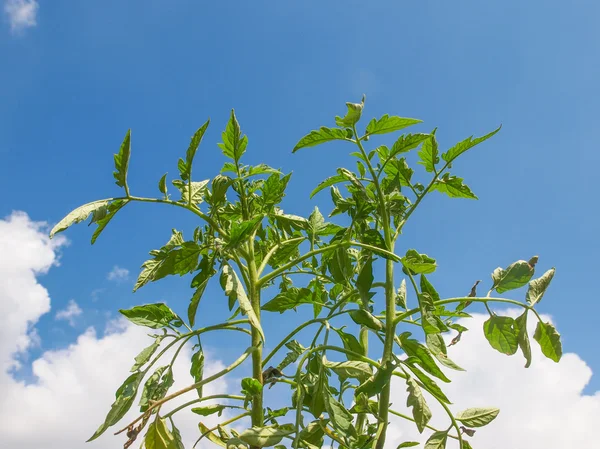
(73, 83)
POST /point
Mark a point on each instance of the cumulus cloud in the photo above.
(542, 406)
(72, 388)
(22, 14)
(117, 274)
(69, 313)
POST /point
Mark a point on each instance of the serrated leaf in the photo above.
(200, 282)
(185, 170)
(144, 356)
(465, 145)
(428, 384)
(103, 216)
(418, 263)
(265, 436)
(352, 369)
(176, 436)
(428, 154)
(416, 400)
(454, 187)
(336, 179)
(413, 348)
(233, 287)
(156, 386)
(155, 316)
(387, 124)
(197, 368)
(320, 136)
(208, 410)
(406, 143)
(437, 440)
(197, 189)
(523, 338)
(477, 417)
(549, 339)
(501, 333)
(537, 287)
(159, 436)
(78, 215)
(241, 231)
(340, 418)
(125, 396)
(515, 276)
(296, 349)
(234, 143)
(289, 299)
(122, 161)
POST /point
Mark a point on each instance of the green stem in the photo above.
(393, 412)
(205, 398)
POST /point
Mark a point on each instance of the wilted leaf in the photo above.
(549, 339)
(537, 287)
(416, 400)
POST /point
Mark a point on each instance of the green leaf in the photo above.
(352, 369)
(176, 436)
(103, 215)
(233, 288)
(428, 384)
(465, 145)
(350, 343)
(523, 338)
(437, 440)
(162, 185)
(538, 287)
(211, 436)
(398, 168)
(251, 386)
(289, 299)
(364, 282)
(406, 143)
(197, 368)
(387, 124)
(375, 384)
(125, 396)
(352, 116)
(413, 348)
(516, 275)
(159, 436)
(418, 263)
(78, 215)
(234, 143)
(156, 386)
(200, 282)
(500, 331)
(320, 136)
(296, 350)
(241, 231)
(453, 187)
(408, 444)
(364, 318)
(401, 294)
(122, 162)
(220, 184)
(549, 339)
(416, 400)
(477, 417)
(154, 316)
(198, 190)
(336, 179)
(209, 409)
(144, 356)
(427, 287)
(466, 445)
(341, 419)
(185, 168)
(429, 154)
(273, 190)
(265, 436)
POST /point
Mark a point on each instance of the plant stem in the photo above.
(394, 412)
(205, 398)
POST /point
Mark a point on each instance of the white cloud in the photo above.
(117, 274)
(70, 313)
(540, 407)
(21, 14)
(72, 388)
